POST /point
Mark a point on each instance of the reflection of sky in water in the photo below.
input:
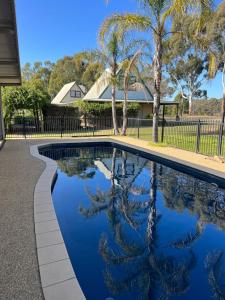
(135, 229)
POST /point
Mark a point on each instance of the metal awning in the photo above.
(9, 51)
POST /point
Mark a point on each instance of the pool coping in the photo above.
(51, 249)
(58, 279)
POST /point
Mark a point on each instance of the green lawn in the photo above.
(183, 138)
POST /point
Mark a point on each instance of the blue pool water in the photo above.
(137, 229)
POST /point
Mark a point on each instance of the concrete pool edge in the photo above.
(58, 279)
(67, 287)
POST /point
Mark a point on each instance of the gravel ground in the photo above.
(19, 172)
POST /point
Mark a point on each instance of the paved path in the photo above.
(19, 172)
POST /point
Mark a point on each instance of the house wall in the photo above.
(145, 110)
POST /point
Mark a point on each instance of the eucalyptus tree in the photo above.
(157, 21)
(188, 74)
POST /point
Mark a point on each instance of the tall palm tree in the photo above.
(130, 65)
(157, 17)
(213, 41)
(112, 54)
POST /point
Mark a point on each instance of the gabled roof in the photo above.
(99, 86)
(64, 91)
(101, 91)
(9, 51)
(83, 88)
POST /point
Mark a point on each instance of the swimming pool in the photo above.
(137, 229)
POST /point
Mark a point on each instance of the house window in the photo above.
(132, 81)
(75, 94)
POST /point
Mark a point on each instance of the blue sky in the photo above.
(51, 29)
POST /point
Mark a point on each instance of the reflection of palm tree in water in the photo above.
(116, 198)
(145, 268)
(152, 204)
(150, 272)
(210, 210)
(103, 201)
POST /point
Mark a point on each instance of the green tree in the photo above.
(38, 72)
(91, 74)
(80, 68)
(66, 70)
(29, 96)
(157, 20)
(188, 73)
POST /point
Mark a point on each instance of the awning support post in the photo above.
(2, 127)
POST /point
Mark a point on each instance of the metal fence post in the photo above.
(62, 125)
(138, 128)
(220, 139)
(138, 133)
(24, 126)
(93, 126)
(198, 136)
(162, 133)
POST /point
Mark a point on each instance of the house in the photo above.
(101, 92)
(9, 52)
(126, 171)
(69, 94)
(138, 93)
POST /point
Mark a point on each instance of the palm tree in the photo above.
(130, 65)
(155, 20)
(213, 42)
(110, 55)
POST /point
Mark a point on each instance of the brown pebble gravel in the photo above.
(19, 172)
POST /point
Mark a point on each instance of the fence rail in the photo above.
(61, 126)
(201, 136)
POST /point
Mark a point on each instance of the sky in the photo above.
(51, 29)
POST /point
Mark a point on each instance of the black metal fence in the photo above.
(201, 136)
(58, 126)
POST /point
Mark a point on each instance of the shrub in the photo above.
(96, 109)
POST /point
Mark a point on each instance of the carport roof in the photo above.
(9, 51)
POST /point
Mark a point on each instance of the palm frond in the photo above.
(123, 23)
(212, 65)
(190, 238)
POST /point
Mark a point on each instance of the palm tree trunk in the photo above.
(157, 66)
(124, 129)
(115, 126)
